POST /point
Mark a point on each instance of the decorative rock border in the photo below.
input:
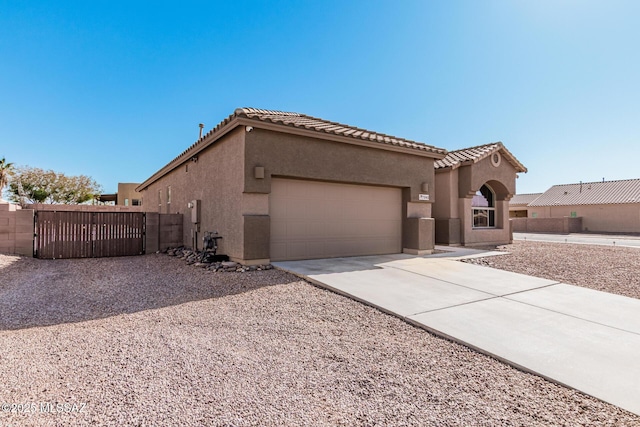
(194, 258)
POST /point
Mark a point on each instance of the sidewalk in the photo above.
(582, 239)
(585, 339)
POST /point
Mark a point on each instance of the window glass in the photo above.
(483, 208)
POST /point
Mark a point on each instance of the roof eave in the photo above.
(428, 151)
(241, 119)
(192, 151)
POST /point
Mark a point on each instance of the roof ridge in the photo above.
(242, 110)
(355, 128)
(302, 122)
(478, 146)
(457, 158)
(597, 182)
(608, 192)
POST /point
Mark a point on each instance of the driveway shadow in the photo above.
(36, 292)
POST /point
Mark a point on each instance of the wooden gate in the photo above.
(66, 234)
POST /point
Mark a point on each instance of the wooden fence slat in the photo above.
(68, 234)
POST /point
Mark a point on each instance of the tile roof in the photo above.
(298, 121)
(523, 199)
(303, 121)
(591, 193)
(457, 158)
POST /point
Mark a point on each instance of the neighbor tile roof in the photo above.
(591, 193)
(458, 158)
(523, 199)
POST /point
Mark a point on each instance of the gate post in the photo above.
(152, 232)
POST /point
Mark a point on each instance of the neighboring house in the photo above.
(518, 204)
(607, 206)
(126, 195)
(473, 188)
(283, 186)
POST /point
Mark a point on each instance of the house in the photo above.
(606, 206)
(518, 204)
(126, 195)
(283, 186)
(473, 189)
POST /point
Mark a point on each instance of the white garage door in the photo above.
(311, 219)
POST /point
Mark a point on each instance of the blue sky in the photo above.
(116, 89)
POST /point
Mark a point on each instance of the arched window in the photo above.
(483, 206)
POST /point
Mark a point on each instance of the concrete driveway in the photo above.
(582, 338)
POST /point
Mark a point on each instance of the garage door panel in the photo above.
(318, 220)
(317, 249)
(298, 189)
(278, 208)
(385, 212)
(278, 250)
(388, 228)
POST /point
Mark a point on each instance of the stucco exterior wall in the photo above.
(472, 177)
(486, 236)
(234, 194)
(309, 158)
(618, 218)
(216, 179)
(292, 156)
(452, 210)
(127, 193)
(446, 194)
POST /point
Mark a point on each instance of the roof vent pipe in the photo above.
(201, 126)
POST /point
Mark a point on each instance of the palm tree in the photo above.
(5, 170)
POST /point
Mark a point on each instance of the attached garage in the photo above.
(312, 219)
(283, 186)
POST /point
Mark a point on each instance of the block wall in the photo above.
(16, 230)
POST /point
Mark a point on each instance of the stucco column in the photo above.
(418, 229)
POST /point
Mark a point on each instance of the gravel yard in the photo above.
(604, 268)
(151, 341)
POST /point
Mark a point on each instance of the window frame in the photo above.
(484, 217)
(168, 199)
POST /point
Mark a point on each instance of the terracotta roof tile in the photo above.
(591, 193)
(326, 126)
(457, 158)
(295, 120)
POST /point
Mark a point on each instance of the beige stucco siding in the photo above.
(471, 178)
(486, 236)
(217, 180)
(455, 188)
(127, 194)
(308, 158)
(612, 218)
(293, 156)
(235, 196)
(446, 194)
